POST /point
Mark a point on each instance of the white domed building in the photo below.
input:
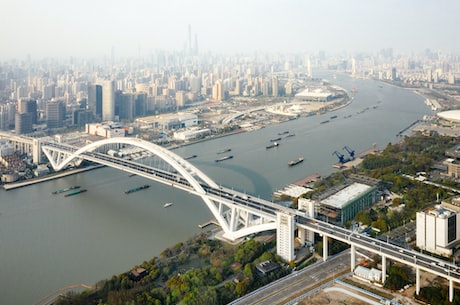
(450, 115)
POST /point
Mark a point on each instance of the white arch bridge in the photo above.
(240, 215)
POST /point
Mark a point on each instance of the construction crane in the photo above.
(340, 156)
(350, 152)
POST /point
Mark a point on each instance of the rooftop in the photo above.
(342, 197)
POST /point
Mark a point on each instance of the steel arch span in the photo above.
(236, 221)
(182, 166)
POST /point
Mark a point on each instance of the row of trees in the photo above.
(200, 271)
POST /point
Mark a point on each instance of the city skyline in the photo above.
(52, 28)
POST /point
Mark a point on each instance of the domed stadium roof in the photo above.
(450, 115)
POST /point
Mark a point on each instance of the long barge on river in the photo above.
(74, 187)
(75, 192)
(224, 158)
(137, 189)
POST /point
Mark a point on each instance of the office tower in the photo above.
(55, 114)
(4, 123)
(29, 106)
(95, 100)
(275, 85)
(23, 122)
(309, 69)
(141, 104)
(108, 100)
(393, 73)
(238, 86)
(127, 106)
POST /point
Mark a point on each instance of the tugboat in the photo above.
(275, 144)
(295, 162)
(137, 189)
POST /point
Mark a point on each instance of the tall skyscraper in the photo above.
(95, 100)
(275, 85)
(108, 100)
(4, 124)
(55, 114)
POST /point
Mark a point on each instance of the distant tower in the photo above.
(309, 70)
(189, 39)
(275, 85)
(353, 67)
(108, 100)
(195, 49)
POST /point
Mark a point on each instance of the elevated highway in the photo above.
(239, 214)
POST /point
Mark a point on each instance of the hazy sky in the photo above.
(48, 28)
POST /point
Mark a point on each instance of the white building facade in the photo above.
(437, 229)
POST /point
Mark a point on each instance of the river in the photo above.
(49, 241)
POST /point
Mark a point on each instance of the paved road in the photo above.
(297, 283)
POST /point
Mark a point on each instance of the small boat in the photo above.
(132, 175)
(295, 162)
(66, 189)
(168, 204)
(290, 135)
(324, 122)
(75, 192)
(137, 189)
(275, 144)
(333, 117)
(224, 158)
(284, 132)
(190, 157)
(224, 151)
(274, 140)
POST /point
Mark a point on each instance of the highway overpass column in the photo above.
(451, 290)
(417, 280)
(325, 247)
(301, 235)
(353, 258)
(384, 268)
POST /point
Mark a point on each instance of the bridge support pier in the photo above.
(325, 247)
(384, 268)
(417, 280)
(353, 258)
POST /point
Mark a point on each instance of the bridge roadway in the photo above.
(411, 258)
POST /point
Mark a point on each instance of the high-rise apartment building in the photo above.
(108, 100)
